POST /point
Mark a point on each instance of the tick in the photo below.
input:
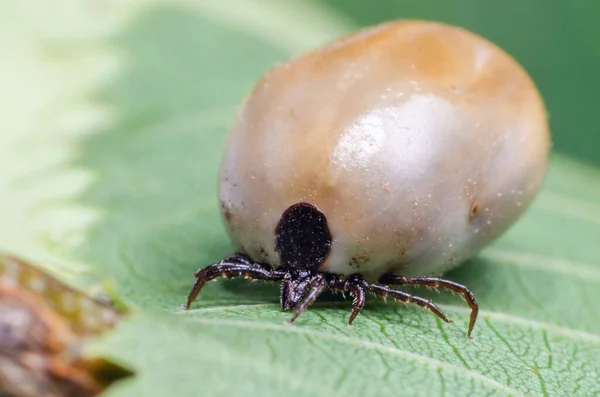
(382, 159)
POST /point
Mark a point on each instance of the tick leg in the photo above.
(287, 294)
(359, 300)
(435, 282)
(384, 292)
(228, 269)
(317, 285)
(356, 286)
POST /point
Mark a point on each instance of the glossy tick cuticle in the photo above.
(374, 162)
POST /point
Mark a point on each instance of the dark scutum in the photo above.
(302, 237)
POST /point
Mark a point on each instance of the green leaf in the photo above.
(113, 128)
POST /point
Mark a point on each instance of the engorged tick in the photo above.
(407, 144)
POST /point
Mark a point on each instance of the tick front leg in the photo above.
(391, 279)
(232, 267)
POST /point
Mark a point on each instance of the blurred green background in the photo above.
(557, 41)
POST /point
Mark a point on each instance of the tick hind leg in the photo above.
(236, 265)
(434, 282)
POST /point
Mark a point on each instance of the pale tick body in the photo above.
(396, 152)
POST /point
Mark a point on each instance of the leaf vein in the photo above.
(519, 357)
